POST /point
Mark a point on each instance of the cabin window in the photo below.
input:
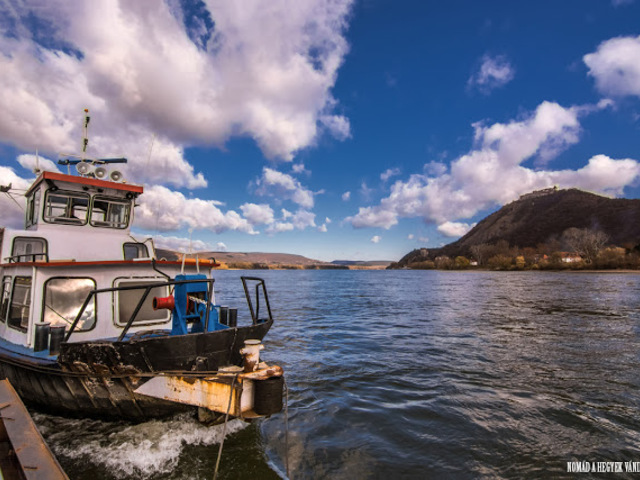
(127, 300)
(110, 212)
(6, 297)
(135, 250)
(63, 299)
(28, 249)
(70, 208)
(20, 303)
(33, 208)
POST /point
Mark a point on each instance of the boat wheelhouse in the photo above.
(92, 323)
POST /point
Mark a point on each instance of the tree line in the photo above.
(575, 249)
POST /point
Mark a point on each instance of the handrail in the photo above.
(135, 312)
(255, 316)
(32, 256)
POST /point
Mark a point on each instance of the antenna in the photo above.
(153, 137)
(37, 169)
(85, 132)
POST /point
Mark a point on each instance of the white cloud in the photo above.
(280, 185)
(375, 239)
(279, 227)
(390, 172)
(454, 229)
(263, 71)
(494, 72)
(257, 214)
(181, 244)
(323, 228)
(338, 125)
(410, 236)
(435, 168)
(30, 162)
(290, 221)
(298, 168)
(615, 65)
(346, 196)
(221, 247)
(423, 240)
(163, 209)
(327, 220)
(365, 191)
(492, 173)
(374, 217)
(303, 219)
(12, 203)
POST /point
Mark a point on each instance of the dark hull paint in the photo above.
(98, 379)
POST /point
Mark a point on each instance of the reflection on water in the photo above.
(415, 375)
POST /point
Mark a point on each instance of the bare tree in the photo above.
(585, 242)
(482, 252)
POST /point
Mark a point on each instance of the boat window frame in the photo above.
(105, 224)
(33, 208)
(95, 301)
(65, 220)
(115, 300)
(5, 300)
(20, 328)
(16, 258)
(137, 244)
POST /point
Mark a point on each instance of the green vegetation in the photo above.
(575, 249)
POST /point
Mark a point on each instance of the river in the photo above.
(410, 374)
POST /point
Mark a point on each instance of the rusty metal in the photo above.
(251, 354)
(213, 392)
(29, 456)
(263, 374)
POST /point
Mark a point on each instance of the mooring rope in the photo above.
(224, 428)
(286, 427)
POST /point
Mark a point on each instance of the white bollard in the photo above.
(251, 354)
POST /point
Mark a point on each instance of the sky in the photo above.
(333, 129)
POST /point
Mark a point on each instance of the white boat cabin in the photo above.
(77, 239)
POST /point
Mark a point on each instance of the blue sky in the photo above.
(332, 129)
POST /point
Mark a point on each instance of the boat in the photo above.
(23, 452)
(93, 324)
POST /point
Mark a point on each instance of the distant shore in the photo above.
(322, 266)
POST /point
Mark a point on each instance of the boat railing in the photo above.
(255, 313)
(27, 257)
(136, 310)
(260, 285)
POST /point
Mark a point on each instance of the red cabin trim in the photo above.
(110, 263)
(93, 182)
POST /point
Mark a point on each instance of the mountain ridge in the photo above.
(542, 216)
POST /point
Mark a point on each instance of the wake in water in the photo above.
(142, 450)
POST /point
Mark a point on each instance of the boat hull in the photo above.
(98, 379)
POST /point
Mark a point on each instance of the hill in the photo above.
(542, 216)
(263, 260)
(251, 257)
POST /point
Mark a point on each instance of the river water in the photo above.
(410, 374)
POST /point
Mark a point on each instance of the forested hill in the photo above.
(541, 217)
